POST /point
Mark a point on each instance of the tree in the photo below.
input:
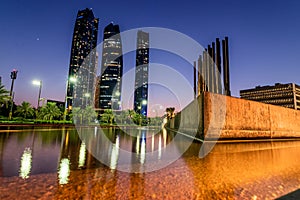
(84, 115)
(25, 110)
(108, 116)
(89, 114)
(122, 116)
(137, 118)
(4, 96)
(170, 112)
(77, 115)
(49, 111)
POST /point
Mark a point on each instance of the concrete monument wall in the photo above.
(229, 117)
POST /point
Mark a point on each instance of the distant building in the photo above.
(141, 73)
(286, 95)
(110, 83)
(82, 69)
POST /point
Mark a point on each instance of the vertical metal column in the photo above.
(226, 66)
(200, 76)
(209, 62)
(195, 90)
(205, 71)
(213, 66)
(218, 66)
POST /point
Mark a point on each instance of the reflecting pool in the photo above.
(65, 163)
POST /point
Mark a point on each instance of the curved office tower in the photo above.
(111, 69)
(83, 61)
(141, 73)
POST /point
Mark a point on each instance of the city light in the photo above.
(73, 79)
(117, 93)
(144, 102)
(38, 83)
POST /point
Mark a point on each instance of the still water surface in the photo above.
(51, 163)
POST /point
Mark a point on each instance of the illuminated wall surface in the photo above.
(241, 118)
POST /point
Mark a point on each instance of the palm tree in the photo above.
(50, 111)
(89, 114)
(77, 115)
(170, 112)
(4, 96)
(108, 116)
(25, 110)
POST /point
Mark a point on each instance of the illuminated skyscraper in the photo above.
(111, 69)
(141, 73)
(83, 61)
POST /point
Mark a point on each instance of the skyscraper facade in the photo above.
(141, 73)
(83, 60)
(110, 83)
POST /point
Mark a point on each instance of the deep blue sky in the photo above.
(263, 37)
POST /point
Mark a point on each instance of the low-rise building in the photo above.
(286, 95)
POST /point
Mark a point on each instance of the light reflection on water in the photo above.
(26, 162)
(61, 151)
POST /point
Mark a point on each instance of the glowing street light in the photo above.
(38, 83)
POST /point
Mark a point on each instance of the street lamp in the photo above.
(70, 92)
(142, 103)
(13, 76)
(38, 83)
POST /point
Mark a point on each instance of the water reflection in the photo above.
(26, 162)
(82, 155)
(143, 147)
(122, 150)
(228, 169)
(115, 154)
(64, 171)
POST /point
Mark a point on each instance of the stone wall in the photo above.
(229, 117)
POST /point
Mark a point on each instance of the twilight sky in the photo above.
(263, 36)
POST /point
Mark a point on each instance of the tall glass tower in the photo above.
(141, 73)
(111, 69)
(83, 61)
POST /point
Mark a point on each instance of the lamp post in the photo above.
(13, 76)
(38, 83)
(70, 92)
(71, 81)
(142, 103)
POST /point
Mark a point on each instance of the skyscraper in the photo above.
(83, 61)
(141, 73)
(111, 69)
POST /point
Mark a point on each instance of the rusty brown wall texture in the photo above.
(234, 118)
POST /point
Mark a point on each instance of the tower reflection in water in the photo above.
(65, 150)
(113, 146)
